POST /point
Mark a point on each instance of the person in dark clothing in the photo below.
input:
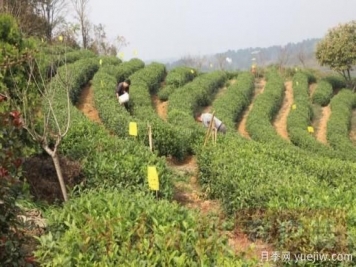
(121, 88)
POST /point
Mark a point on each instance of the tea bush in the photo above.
(294, 208)
(340, 121)
(323, 93)
(300, 118)
(127, 68)
(230, 106)
(176, 78)
(103, 228)
(107, 160)
(265, 108)
(190, 98)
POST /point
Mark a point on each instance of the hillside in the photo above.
(292, 54)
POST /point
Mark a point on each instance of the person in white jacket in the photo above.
(205, 118)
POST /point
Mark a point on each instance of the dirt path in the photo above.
(241, 128)
(161, 107)
(322, 125)
(86, 104)
(312, 88)
(280, 122)
(189, 194)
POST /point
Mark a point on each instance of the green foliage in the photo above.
(110, 60)
(11, 152)
(230, 106)
(179, 76)
(337, 49)
(9, 30)
(336, 81)
(339, 122)
(323, 93)
(107, 160)
(300, 118)
(125, 69)
(265, 108)
(187, 100)
(103, 228)
(165, 92)
(298, 202)
(198, 93)
(168, 139)
(49, 63)
(176, 78)
(112, 162)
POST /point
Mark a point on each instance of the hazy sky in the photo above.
(161, 29)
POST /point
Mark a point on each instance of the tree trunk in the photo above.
(60, 175)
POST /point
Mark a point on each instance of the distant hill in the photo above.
(292, 54)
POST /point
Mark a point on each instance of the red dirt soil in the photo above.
(312, 88)
(241, 128)
(86, 104)
(190, 195)
(322, 126)
(161, 107)
(280, 122)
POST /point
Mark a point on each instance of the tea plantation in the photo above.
(297, 196)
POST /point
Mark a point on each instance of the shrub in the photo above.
(104, 228)
(265, 108)
(230, 106)
(339, 122)
(323, 93)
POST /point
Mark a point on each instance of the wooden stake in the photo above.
(150, 136)
(209, 129)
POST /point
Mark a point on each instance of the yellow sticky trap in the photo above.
(211, 65)
(294, 106)
(135, 52)
(133, 128)
(310, 129)
(101, 83)
(121, 55)
(42, 40)
(297, 83)
(192, 71)
(60, 38)
(152, 176)
(100, 61)
(296, 69)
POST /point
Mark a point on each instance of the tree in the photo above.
(221, 60)
(283, 57)
(69, 32)
(27, 15)
(338, 49)
(50, 132)
(302, 55)
(53, 12)
(81, 10)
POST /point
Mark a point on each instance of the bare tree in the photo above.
(53, 12)
(221, 60)
(51, 131)
(301, 55)
(69, 32)
(27, 14)
(81, 9)
(120, 42)
(283, 57)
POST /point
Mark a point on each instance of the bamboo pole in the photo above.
(209, 129)
(150, 136)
